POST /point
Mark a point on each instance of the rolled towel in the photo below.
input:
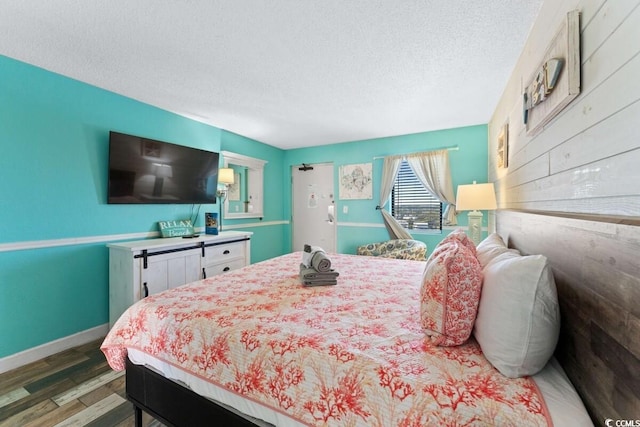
(321, 262)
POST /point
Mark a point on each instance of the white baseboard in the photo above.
(36, 353)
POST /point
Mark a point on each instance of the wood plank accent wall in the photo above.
(586, 159)
(572, 193)
(597, 272)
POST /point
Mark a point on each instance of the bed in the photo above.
(255, 347)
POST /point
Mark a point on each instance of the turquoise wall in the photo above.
(53, 161)
(53, 155)
(468, 163)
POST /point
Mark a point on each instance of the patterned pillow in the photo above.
(450, 293)
(456, 235)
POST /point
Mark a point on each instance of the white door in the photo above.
(313, 210)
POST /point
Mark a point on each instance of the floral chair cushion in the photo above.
(397, 248)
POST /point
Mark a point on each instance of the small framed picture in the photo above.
(503, 146)
(150, 148)
(356, 181)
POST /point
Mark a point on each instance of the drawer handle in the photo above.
(204, 273)
(226, 252)
(146, 289)
(226, 269)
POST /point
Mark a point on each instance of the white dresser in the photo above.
(144, 267)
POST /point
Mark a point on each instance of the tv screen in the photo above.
(143, 170)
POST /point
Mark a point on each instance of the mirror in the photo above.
(245, 195)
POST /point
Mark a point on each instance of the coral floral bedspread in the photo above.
(346, 355)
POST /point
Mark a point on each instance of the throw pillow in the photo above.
(459, 235)
(490, 248)
(449, 294)
(518, 320)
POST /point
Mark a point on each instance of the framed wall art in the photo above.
(503, 146)
(356, 181)
(556, 80)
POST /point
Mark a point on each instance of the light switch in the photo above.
(345, 209)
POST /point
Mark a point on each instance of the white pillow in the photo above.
(518, 320)
(490, 248)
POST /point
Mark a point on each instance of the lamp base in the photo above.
(475, 226)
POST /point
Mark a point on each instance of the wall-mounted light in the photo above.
(225, 177)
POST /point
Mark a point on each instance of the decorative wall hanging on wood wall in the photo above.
(503, 146)
(556, 82)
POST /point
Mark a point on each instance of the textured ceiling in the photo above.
(289, 73)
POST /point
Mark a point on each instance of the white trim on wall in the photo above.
(360, 224)
(36, 353)
(254, 224)
(40, 244)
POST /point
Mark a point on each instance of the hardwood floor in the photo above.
(72, 388)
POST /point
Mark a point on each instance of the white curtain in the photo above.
(432, 169)
(389, 171)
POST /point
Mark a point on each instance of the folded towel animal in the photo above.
(310, 273)
(314, 256)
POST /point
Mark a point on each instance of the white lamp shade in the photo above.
(162, 171)
(225, 176)
(476, 197)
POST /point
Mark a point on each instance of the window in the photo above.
(412, 205)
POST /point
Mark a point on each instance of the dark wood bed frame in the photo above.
(596, 264)
(172, 403)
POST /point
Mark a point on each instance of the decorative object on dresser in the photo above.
(474, 198)
(144, 267)
(211, 223)
(177, 228)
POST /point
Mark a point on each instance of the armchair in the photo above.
(397, 248)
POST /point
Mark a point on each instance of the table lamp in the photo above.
(474, 198)
(161, 171)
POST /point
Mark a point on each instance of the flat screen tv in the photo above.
(147, 171)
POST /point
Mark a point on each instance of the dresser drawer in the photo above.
(223, 267)
(220, 253)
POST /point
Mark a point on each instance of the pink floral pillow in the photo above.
(450, 294)
(459, 235)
